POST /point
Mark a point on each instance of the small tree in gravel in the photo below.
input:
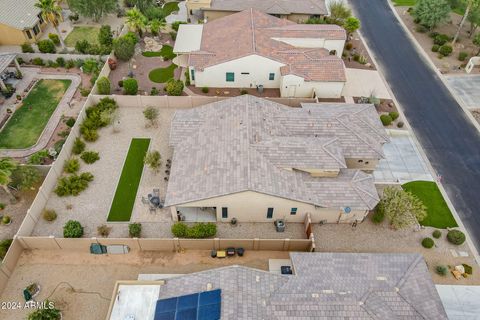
(402, 208)
(432, 12)
(135, 230)
(151, 114)
(153, 160)
(72, 229)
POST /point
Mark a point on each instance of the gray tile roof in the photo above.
(19, 14)
(325, 286)
(310, 7)
(6, 59)
(247, 143)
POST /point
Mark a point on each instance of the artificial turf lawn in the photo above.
(27, 123)
(439, 215)
(162, 75)
(166, 52)
(405, 3)
(127, 187)
(170, 7)
(82, 33)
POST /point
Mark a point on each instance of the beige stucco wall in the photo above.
(197, 4)
(294, 86)
(366, 164)
(330, 45)
(12, 36)
(212, 15)
(250, 206)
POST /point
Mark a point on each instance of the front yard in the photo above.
(82, 33)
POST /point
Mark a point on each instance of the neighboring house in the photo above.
(257, 161)
(20, 22)
(349, 286)
(295, 10)
(251, 49)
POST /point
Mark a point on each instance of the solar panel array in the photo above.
(204, 305)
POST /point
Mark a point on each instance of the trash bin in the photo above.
(280, 225)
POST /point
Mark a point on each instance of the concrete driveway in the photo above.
(466, 88)
(403, 162)
(363, 83)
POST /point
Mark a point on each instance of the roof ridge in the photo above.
(253, 30)
(369, 310)
(325, 148)
(247, 120)
(358, 189)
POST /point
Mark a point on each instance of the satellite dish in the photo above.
(347, 210)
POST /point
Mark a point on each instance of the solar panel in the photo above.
(197, 306)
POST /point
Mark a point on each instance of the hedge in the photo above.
(456, 237)
(197, 231)
(428, 243)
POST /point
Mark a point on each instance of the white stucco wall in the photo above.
(250, 206)
(258, 68)
(294, 86)
(336, 45)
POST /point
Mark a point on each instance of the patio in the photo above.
(9, 74)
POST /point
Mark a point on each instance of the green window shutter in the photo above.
(230, 77)
(271, 76)
(193, 75)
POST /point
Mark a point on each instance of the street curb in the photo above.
(472, 248)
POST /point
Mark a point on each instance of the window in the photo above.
(193, 74)
(270, 213)
(230, 76)
(40, 18)
(360, 161)
(29, 35)
(36, 30)
(271, 76)
(224, 213)
(333, 52)
(293, 211)
(245, 72)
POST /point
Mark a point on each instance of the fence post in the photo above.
(176, 244)
(55, 241)
(21, 241)
(286, 244)
(216, 242)
(256, 243)
(139, 245)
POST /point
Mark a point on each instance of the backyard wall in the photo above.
(54, 56)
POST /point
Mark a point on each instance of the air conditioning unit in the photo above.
(322, 222)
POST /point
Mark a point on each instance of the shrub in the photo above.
(179, 230)
(445, 50)
(52, 64)
(173, 35)
(103, 85)
(105, 37)
(130, 86)
(349, 46)
(2, 205)
(46, 46)
(61, 62)
(4, 245)
(468, 268)
(394, 115)
(462, 56)
(176, 25)
(243, 91)
(27, 48)
(6, 219)
(132, 37)
(135, 230)
(400, 124)
(421, 29)
(428, 243)
(71, 165)
(82, 46)
(73, 185)
(379, 214)
(386, 119)
(78, 63)
(72, 229)
(103, 230)
(437, 234)
(205, 89)
(49, 215)
(69, 64)
(174, 87)
(435, 48)
(90, 66)
(124, 48)
(90, 156)
(120, 83)
(38, 157)
(73, 17)
(78, 146)
(433, 34)
(85, 91)
(441, 39)
(154, 91)
(59, 145)
(70, 122)
(441, 270)
(38, 61)
(197, 231)
(54, 37)
(456, 237)
(90, 135)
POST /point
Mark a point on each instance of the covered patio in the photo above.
(197, 214)
(8, 76)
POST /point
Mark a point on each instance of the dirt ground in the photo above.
(357, 47)
(233, 92)
(81, 284)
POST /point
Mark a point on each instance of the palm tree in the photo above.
(51, 12)
(155, 26)
(7, 166)
(136, 20)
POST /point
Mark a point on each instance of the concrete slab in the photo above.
(466, 88)
(460, 302)
(274, 265)
(403, 160)
(135, 302)
(364, 83)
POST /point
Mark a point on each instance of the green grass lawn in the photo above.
(405, 3)
(166, 52)
(170, 7)
(162, 75)
(27, 123)
(127, 187)
(439, 215)
(82, 33)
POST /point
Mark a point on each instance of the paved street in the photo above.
(451, 142)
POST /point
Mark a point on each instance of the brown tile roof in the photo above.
(254, 32)
(310, 7)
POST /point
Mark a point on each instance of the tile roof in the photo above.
(254, 32)
(19, 14)
(246, 143)
(310, 7)
(6, 59)
(324, 286)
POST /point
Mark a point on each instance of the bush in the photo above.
(435, 48)
(154, 91)
(120, 83)
(78, 63)
(462, 56)
(124, 48)
(176, 25)
(349, 46)
(90, 157)
(90, 66)
(243, 91)
(433, 34)
(4, 245)
(197, 231)
(85, 91)
(103, 85)
(441, 39)
(38, 61)
(456, 237)
(130, 86)
(98, 116)
(59, 145)
(174, 87)
(468, 268)
(394, 115)
(400, 124)
(379, 214)
(135, 230)
(386, 119)
(90, 135)
(428, 243)
(70, 122)
(49, 215)
(60, 62)
(38, 157)
(73, 185)
(69, 64)
(103, 230)
(173, 35)
(205, 89)
(445, 50)
(71, 165)
(2, 205)
(46, 46)
(27, 48)
(72, 229)
(421, 29)
(441, 270)
(6, 219)
(73, 17)
(82, 46)
(78, 146)
(105, 37)
(54, 37)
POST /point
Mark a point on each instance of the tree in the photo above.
(339, 12)
(103, 85)
(476, 41)
(52, 13)
(94, 9)
(144, 5)
(174, 87)
(151, 114)
(432, 12)
(130, 86)
(474, 19)
(7, 166)
(351, 25)
(136, 20)
(105, 37)
(124, 48)
(153, 160)
(155, 26)
(25, 177)
(470, 4)
(402, 208)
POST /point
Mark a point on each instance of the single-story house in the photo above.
(349, 286)
(297, 11)
(257, 161)
(252, 49)
(20, 22)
